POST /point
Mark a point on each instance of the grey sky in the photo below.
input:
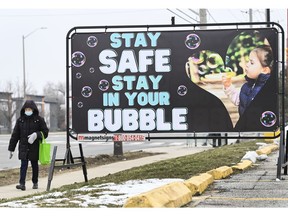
(45, 48)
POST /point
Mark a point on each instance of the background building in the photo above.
(10, 110)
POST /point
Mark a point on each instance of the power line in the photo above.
(179, 16)
(188, 15)
(194, 12)
(211, 16)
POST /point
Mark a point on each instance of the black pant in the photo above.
(23, 171)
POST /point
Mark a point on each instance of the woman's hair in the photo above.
(265, 55)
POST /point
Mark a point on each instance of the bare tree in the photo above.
(56, 93)
(29, 89)
(7, 108)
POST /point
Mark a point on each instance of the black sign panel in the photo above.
(175, 81)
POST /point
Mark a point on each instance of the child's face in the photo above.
(253, 67)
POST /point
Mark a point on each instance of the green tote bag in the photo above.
(44, 151)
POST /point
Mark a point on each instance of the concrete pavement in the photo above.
(59, 180)
(256, 187)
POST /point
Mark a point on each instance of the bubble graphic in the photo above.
(226, 69)
(78, 75)
(192, 41)
(78, 59)
(268, 119)
(80, 104)
(92, 41)
(91, 70)
(202, 69)
(86, 91)
(214, 60)
(182, 90)
(103, 85)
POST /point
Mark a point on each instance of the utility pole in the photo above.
(268, 17)
(250, 16)
(203, 17)
(23, 50)
(287, 51)
(24, 74)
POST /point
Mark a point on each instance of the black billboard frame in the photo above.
(283, 149)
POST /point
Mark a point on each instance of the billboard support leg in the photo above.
(67, 162)
(280, 161)
(118, 148)
(286, 154)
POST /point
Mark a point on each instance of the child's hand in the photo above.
(226, 81)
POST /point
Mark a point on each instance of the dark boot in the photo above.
(21, 187)
(35, 186)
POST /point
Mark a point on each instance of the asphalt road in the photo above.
(89, 148)
(256, 187)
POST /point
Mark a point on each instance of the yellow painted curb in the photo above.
(267, 150)
(221, 172)
(175, 194)
(243, 165)
(274, 147)
(198, 184)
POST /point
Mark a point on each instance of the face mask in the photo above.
(28, 113)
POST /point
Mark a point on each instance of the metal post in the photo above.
(67, 93)
(118, 148)
(286, 154)
(23, 47)
(51, 170)
(24, 75)
(84, 168)
(173, 20)
(268, 17)
(281, 155)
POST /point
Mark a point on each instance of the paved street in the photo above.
(89, 148)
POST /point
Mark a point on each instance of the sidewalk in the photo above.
(59, 180)
(256, 187)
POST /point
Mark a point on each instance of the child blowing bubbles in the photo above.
(257, 71)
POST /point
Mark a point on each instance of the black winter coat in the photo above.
(250, 89)
(25, 126)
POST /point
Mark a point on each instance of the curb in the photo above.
(177, 194)
(221, 172)
(267, 149)
(198, 184)
(243, 165)
(174, 194)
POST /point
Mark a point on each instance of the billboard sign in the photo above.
(178, 81)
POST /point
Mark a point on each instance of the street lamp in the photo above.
(23, 44)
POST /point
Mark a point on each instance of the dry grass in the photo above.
(181, 167)
(11, 176)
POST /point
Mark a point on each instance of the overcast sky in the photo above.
(45, 53)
